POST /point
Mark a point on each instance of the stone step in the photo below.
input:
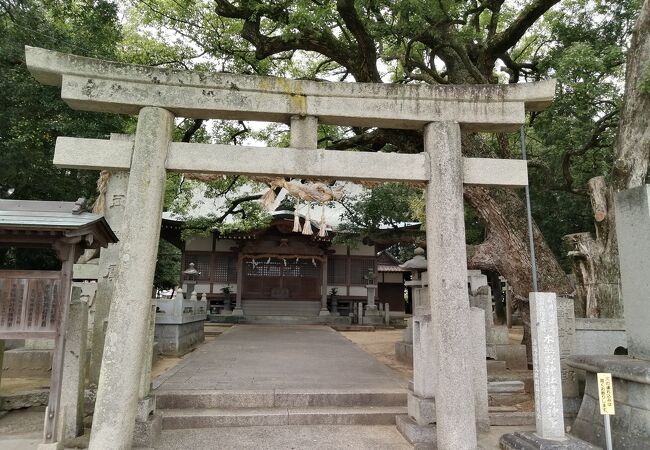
(494, 366)
(241, 417)
(509, 399)
(512, 418)
(281, 307)
(502, 387)
(280, 319)
(200, 399)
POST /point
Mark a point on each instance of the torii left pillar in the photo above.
(122, 362)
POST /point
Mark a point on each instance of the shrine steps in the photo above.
(277, 319)
(209, 409)
(303, 308)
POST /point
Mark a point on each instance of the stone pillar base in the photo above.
(421, 409)
(528, 440)
(323, 312)
(147, 433)
(372, 310)
(373, 320)
(237, 312)
(50, 446)
(421, 437)
(146, 407)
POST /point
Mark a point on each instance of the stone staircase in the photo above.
(188, 409)
(263, 308)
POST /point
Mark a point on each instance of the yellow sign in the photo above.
(606, 393)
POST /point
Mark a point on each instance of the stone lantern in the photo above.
(373, 316)
(418, 425)
(190, 275)
(417, 264)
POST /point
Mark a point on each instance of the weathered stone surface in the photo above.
(146, 433)
(476, 279)
(26, 399)
(421, 409)
(631, 385)
(304, 132)
(525, 440)
(505, 386)
(71, 412)
(115, 202)
(178, 339)
(632, 231)
(425, 365)
(404, 352)
(419, 436)
(513, 354)
(86, 85)
(84, 153)
(512, 418)
(546, 366)
(24, 363)
(599, 336)
(129, 313)
(566, 334)
(447, 276)
(479, 368)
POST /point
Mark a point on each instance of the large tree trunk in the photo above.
(506, 250)
(595, 259)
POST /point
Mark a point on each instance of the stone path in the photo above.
(263, 372)
(263, 357)
(320, 437)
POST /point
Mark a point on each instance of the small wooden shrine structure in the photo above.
(34, 303)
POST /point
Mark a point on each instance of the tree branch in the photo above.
(187, 136)
(235, 203)
(368, 63)
(513, 33)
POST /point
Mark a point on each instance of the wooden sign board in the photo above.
(606, 393)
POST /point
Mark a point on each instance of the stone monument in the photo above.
(549, 412)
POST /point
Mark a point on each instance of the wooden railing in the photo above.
(30, 303)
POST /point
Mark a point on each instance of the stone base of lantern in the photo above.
(147, 433)
(631, 386)
(528, 440)
(50, 446)
(372, 316)
(422, 410)
(422, 437)
(404, 352)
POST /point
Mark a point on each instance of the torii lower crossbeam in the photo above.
(79, 153)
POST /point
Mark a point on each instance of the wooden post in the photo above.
(323, 300)
(238, 311)
(67, 253)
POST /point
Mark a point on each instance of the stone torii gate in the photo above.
(157, 96)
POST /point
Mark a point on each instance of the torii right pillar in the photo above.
(447, 270)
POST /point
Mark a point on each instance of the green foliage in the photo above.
(573, 140)
(384, 207)
(20, 258)
(252, 216)
(33, 115)
(168, 266)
